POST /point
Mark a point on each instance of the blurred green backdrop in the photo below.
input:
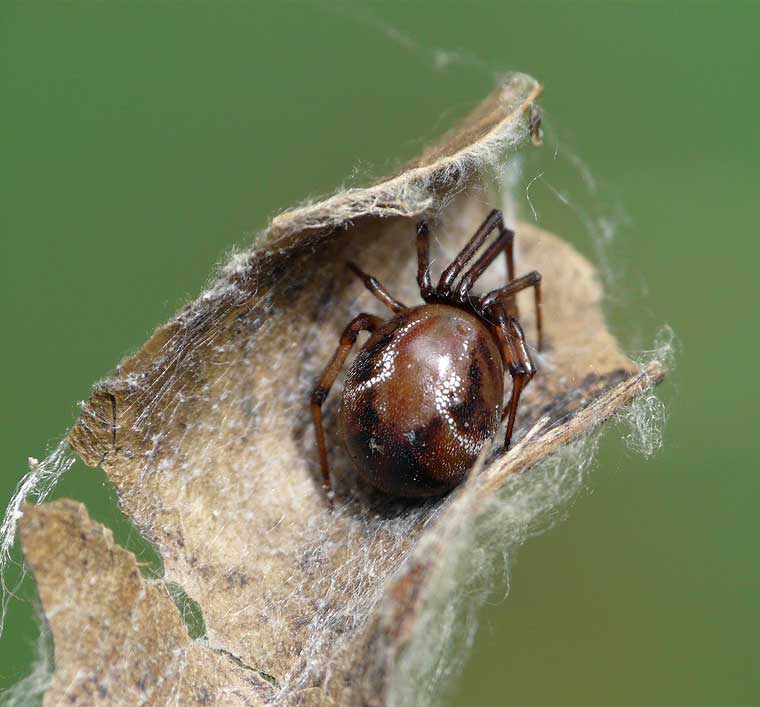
(141, 140)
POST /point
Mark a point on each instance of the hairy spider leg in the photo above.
(506, 296)
(517, 360)
(362, 322)
(423, 260)
(492, 221)
(374, 286)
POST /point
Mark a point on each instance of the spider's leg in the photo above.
(363, 322)
(374, 286)
(504, 242)
(506, 295)
(452, 272)
(516, 358)
(423, 260)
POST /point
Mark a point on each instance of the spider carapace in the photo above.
(426, 391)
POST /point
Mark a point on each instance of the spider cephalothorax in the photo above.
(425, 392)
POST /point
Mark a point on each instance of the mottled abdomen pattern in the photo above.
(421, 399)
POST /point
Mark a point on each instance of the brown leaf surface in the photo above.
(119, 638)
(207, 437)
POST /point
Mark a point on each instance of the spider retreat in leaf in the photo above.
(426, 391)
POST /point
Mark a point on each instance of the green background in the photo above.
(141, 140)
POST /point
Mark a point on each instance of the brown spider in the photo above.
(425, 393)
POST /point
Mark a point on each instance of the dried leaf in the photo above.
(119, 638)
(207, 436)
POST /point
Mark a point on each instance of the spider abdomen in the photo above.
(421, 399)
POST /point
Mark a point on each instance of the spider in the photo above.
(425, 392)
